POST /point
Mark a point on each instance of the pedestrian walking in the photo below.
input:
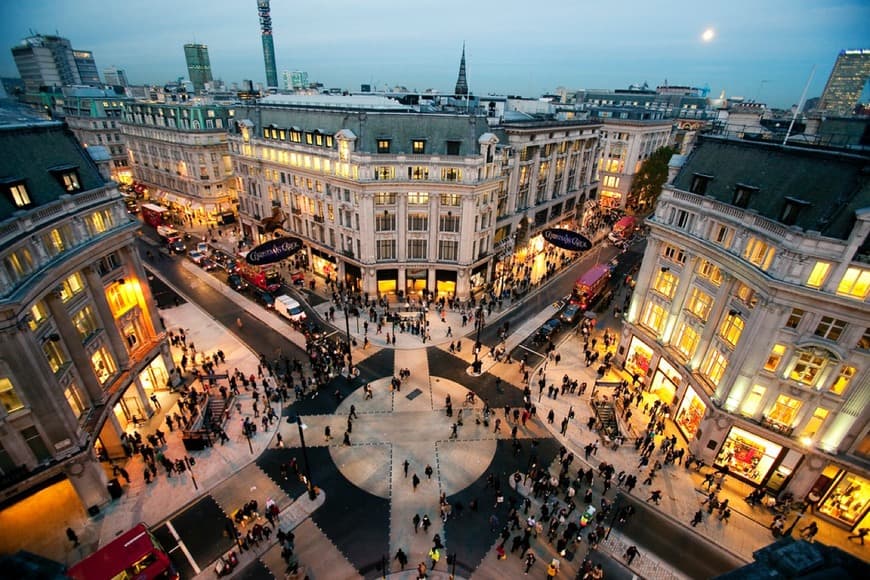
(401, 558)
(698, 518)
(73, 537)
(405, 465)
(327, 434)
(415, 481)
(530, 561)
(655, 496)
(809, 532)
(860, 535)
(346, 438)
(425, 522)
(631, 553)
(428, 471)
(416, 521)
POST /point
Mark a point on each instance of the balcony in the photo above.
(776, 427)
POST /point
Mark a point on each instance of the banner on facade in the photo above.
(273, 251)
(567, 240)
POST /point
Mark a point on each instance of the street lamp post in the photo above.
(311, 494)
(349, 346)
(248, 437)
(189, 463)
(478, 320)
(796, 520)
(616, 510)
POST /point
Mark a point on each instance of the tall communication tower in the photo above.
(268, 43)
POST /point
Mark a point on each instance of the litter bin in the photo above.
(115, 489)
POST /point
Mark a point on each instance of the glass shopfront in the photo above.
(665, 382)
(323, 264)
(388, 281)
(445, 283)
(747, 455)
(416, 282)
(154, 377)
(690, 413)
(847, 498)
(639, 357)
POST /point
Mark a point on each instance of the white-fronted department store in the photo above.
(750, 318)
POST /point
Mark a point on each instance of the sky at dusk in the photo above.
(762, 49)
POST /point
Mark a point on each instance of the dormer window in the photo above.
(68, 176)
(383, 145)
(791, 209)
(700, 182)
(16, 191)
(418, 146)
(743, 194)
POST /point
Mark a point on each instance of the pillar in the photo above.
(110, 326)
(153, 322)
(88, 480)
(143, 396)
(73, 342)
(110, 436)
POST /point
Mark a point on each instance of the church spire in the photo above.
(461, 83)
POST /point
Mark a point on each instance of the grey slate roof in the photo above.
(29, 152)
(834, 184)
(401, 128)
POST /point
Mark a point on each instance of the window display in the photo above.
(847, 498)
(639, 357)
(691, 413)
(747, 455)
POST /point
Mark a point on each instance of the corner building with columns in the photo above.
(82, 347)
(394, 201)
(750, 317)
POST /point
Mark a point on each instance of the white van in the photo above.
(289, 308)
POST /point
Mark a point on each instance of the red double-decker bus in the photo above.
(263, 277)
(590, 285)
(134, 555)
(154, 215)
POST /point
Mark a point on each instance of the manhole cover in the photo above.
(414, 394)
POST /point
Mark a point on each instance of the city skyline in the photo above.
(510, 50)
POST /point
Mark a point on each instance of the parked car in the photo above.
(196, 256)
(312, 331)
(547, 330)
(237, 283)
(177, 246)
(222, 259)
(571, 314)
(263, 298)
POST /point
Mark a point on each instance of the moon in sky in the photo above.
(708, 35)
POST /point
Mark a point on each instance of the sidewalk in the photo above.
(747, 529)
(44, 521)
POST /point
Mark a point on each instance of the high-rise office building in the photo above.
(115, 77)
(295, 80)
(268, 43)
(51, 61)
(198, 65)
(846, 83)
(87, 67)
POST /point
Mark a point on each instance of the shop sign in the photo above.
(273, 251)
(566, 239)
